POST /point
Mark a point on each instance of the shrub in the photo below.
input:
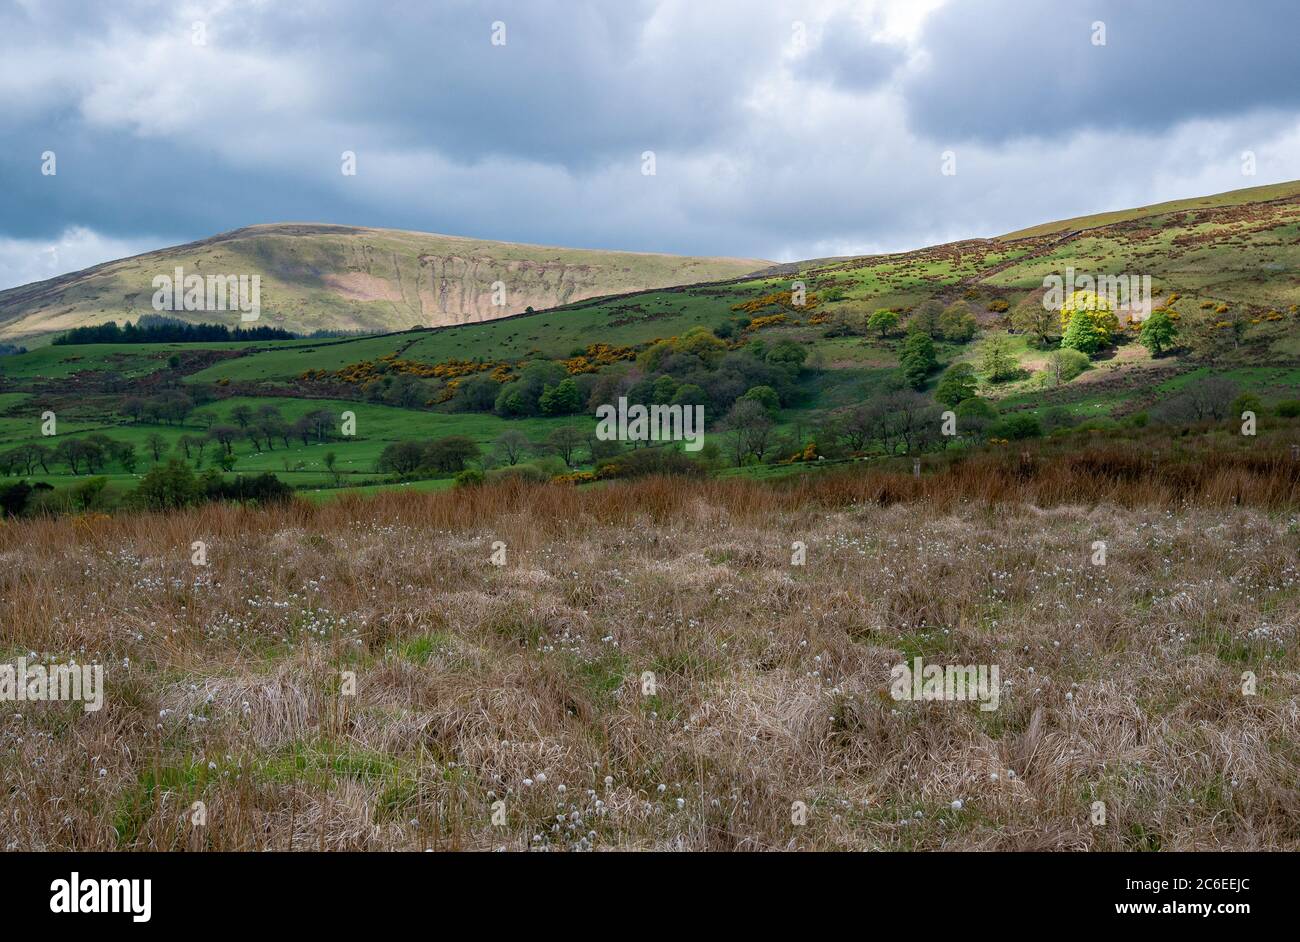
(1246, 402)
(263, 489)
(14, 497)
(1289, 408)
(1064, 365)
(168, 487)
(526, 473)
(470, 477)
(1018, 426)
(647, 461)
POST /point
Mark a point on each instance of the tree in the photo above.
(1034, 319)
(522, 396)
(241, 415)
(974, 416)
(126, 456)
(1064, 365)
(451, 453)
(918, 359)
(750, 428)
(689, 394)
(701, 342)
(476, 394)
(331, 465)
(787, 354)
(561, 399)
(997, 360)
(957, 323)
(512, 445)
(225, 436)
(956, 385)
(1158, 333)
(321, 423)
(853, 428)
(157, 445)
(905, 418)
(401, 458)
(1088, 322)
(168, 487)
(766, 397)
(883, 321)
(565, 441)
(925, 318)
(133, 406)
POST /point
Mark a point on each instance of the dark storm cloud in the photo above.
(1000, 69)
(765, 146)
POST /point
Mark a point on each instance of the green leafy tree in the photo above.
(169, 486)
(883, 321)
(1159, 333)
(766, 397)
(689, 394)
(957, 323)
(956, 385)
(788, 354)
(974, 416)
(701, 342)
(561, 399)
(918, 359)
(997, 361)
(1089, 322)
(450, 454)
(1064, 365)
(1017, 426)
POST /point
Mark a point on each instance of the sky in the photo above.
(775, 130)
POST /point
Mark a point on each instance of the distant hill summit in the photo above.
(328, 277)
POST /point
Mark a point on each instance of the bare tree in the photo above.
(512, 445)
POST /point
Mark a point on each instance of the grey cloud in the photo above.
(1002, 69)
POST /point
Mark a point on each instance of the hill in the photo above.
(831, 377)
(325, 277)
(1254, 194)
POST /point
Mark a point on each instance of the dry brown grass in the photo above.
(223, 681)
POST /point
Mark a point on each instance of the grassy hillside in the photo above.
(1224, 270)
(322, 277)
(1254, 194)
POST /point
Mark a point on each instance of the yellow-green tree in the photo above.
(1087, 322)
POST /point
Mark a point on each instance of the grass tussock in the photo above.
(524, 683)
